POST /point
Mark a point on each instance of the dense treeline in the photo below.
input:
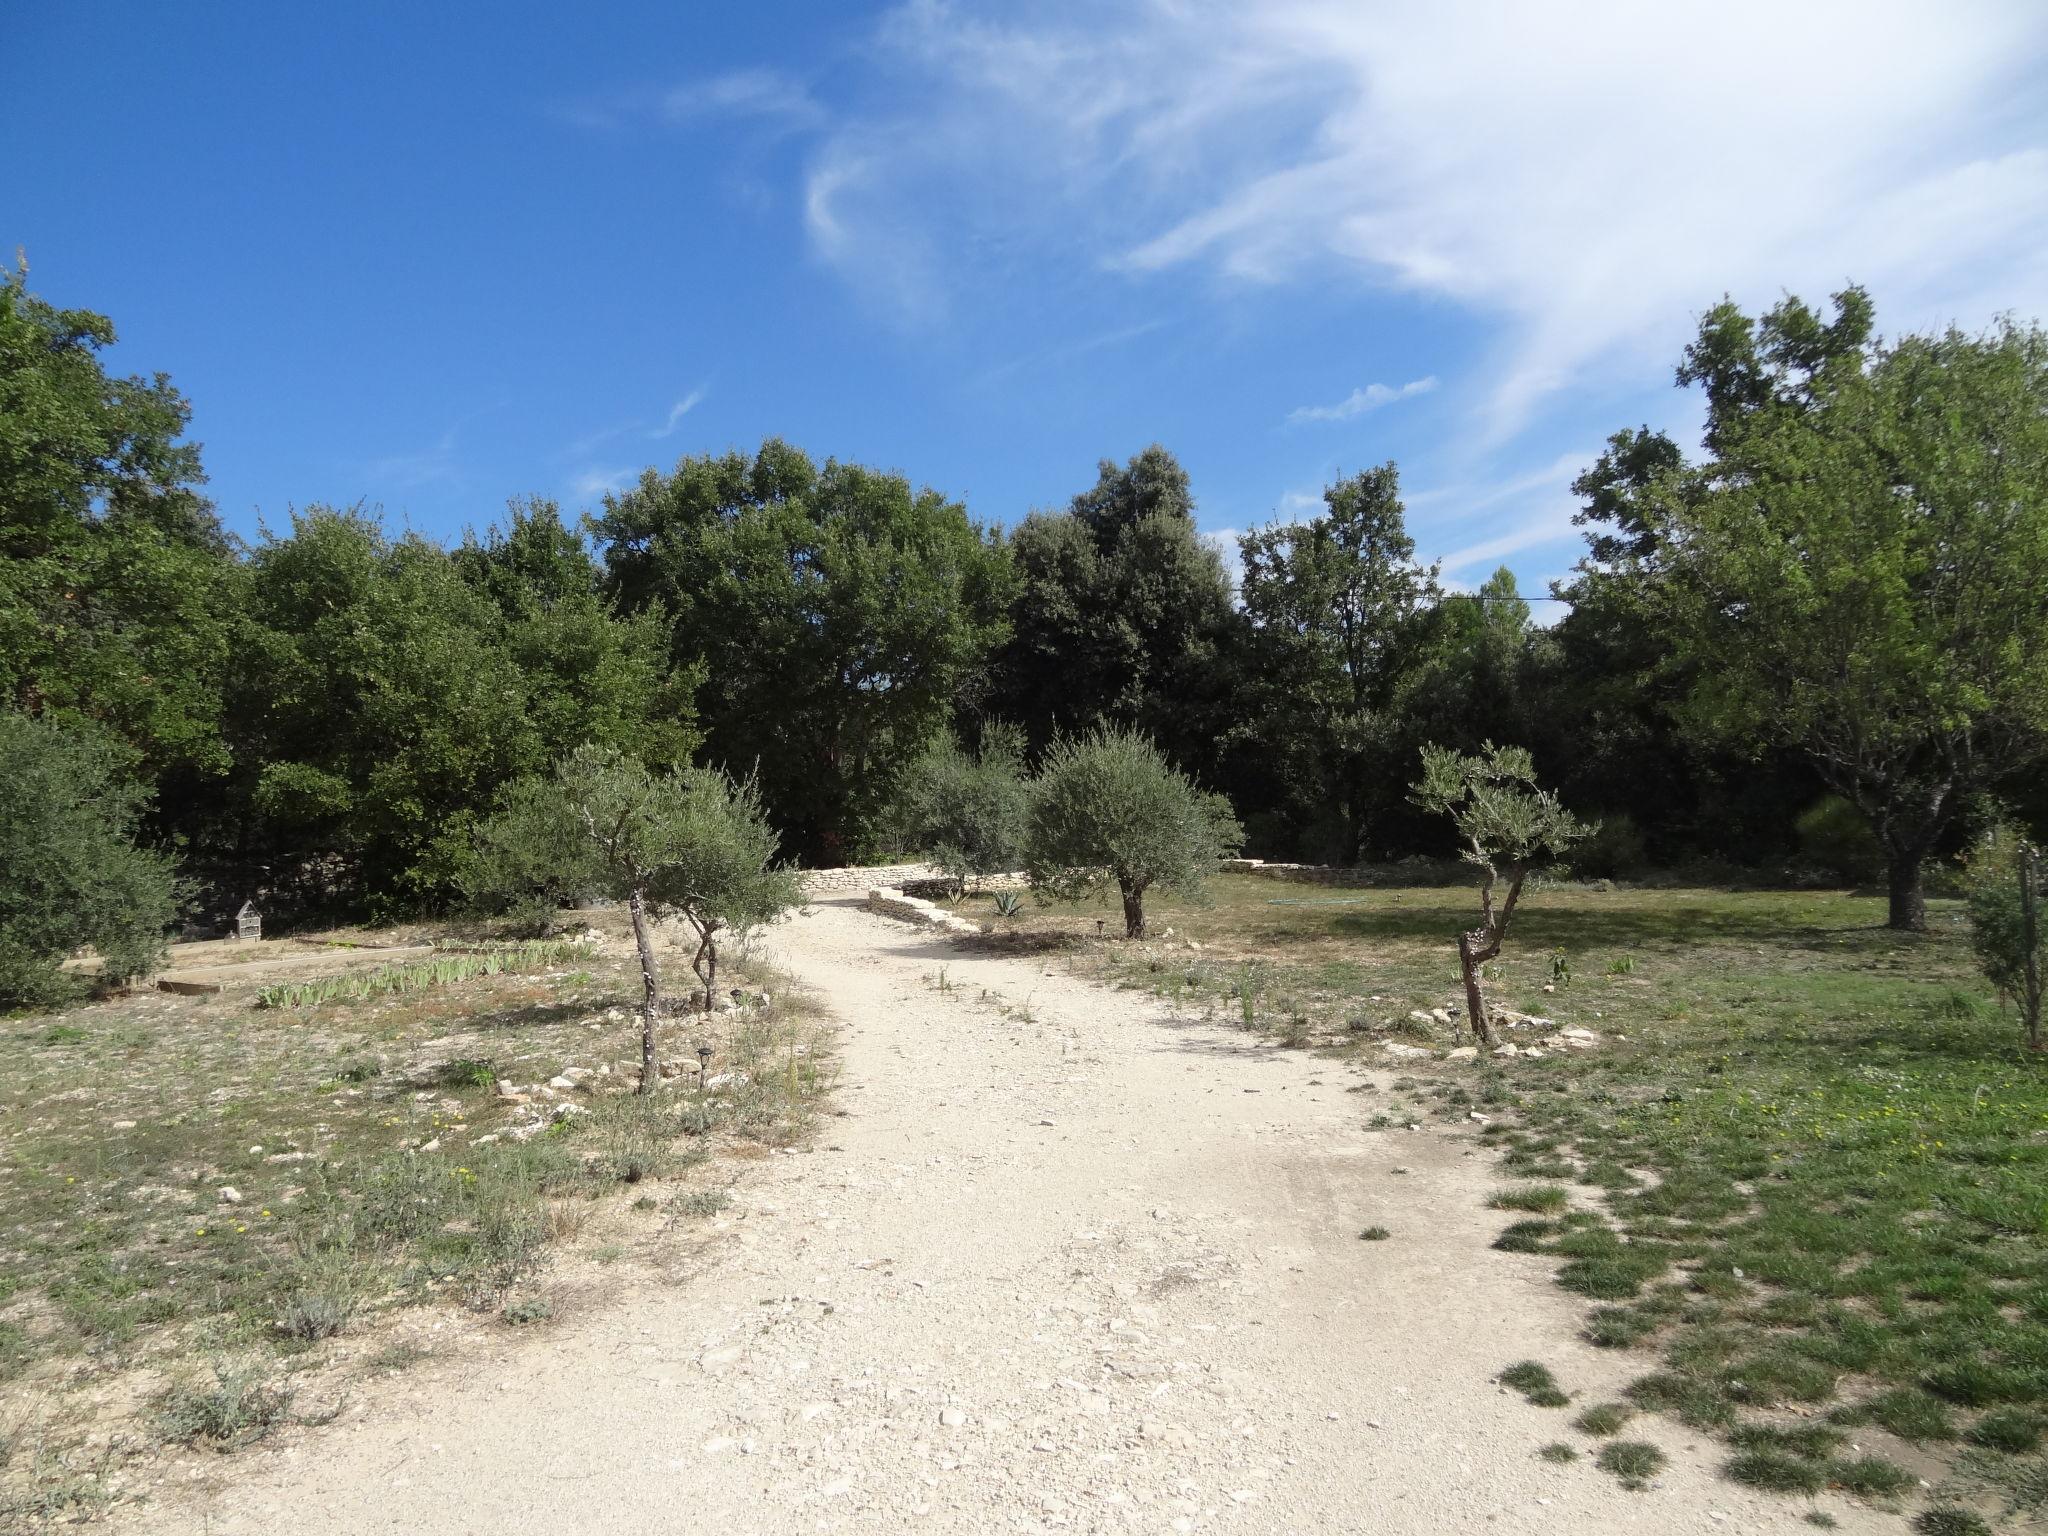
(1844, 593)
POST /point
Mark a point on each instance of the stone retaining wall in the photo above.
(1412, 871)
(853, 880)
(1303, 874)
(926, 880)
(888, 901)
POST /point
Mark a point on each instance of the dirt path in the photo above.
(1085, 1269)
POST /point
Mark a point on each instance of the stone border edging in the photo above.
(889, 901)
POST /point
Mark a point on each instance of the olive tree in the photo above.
(965, 810)
(1107, 809)
(687, 843)
(1506, 826)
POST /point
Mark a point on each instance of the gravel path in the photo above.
(1086, 1267)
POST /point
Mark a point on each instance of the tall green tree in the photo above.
(1121, 615)
(1859, 567)
(386, 690)
(839, 614)
(592, 673)
(1340, 616)
(117, 586)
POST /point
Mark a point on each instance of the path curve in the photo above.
(1079, 1267)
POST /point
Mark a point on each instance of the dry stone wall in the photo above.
(855, 880)
(1303, 874)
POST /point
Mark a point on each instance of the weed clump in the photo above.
(1947, 1520)
(1375, 1235)
(1559, 1452)
(1872, 1477)
(2014, 1431)
(1533, 1380)
(1634, 1462)
(1776, 1471)
(1603, 1419)
(240, 1406)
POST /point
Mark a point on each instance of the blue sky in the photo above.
(431, 259)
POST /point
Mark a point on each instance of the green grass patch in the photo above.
(1603, 1419)
(1634, 1462)
(441, 971)
(1776, 1472)
(1544, 1199)
(1559, 1452)
(1534, 1381)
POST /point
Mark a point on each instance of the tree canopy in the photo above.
(116, 587)
(838, 615)
(1860, 567)
(1107, 809)
(1121, 616)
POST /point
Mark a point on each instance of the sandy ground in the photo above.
(1086, 1267)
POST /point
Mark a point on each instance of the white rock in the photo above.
(952, 1418)
(1462, 1053)
(229, 1195)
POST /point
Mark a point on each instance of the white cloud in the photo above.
(678, 411)
(590, 484)
(1586, 176)
(1359, 401)
(762, 93)
(1546, 525)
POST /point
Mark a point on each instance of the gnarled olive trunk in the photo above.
(1134, 910)
(650, 988)
(705, 963)
(1478, 945)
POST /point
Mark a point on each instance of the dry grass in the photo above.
(373, 1165)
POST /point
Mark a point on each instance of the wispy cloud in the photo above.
(435, 465)
(1359, 401)
(590, 484)
(766, 98)
(756, 93)
(678, 411)
(1543, 168)
(1546, 525)
(1068, 351)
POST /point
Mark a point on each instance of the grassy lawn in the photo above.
(204, 1199)
(1804, 1174)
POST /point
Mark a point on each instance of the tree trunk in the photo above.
(1478, 945)
(650, 984)
(1469, 961)
(2030, 936)
(1134, 912)
(1908, 900)
(705, 964)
